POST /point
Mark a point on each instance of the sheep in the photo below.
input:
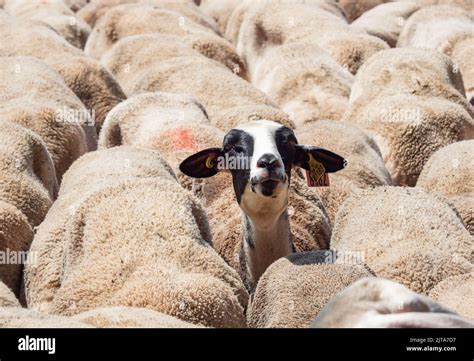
(76, 5)
(41, 279)
(17, 317)
(295, 288)
(218, 90)
(180, 126)
(91, 82)
(212, 296)
(7, 298)
(237, 16)
(366, 166)
(379, 303)
(16, 235)
(385, 21)
(172, 124)
(120, 317)
(267, 25)
(95, 9)
(464, 4)
(427, 66)
(355, 8)
(48, 107)
(456, 292)
(28, 177)
(139, 163)
(461, 50)
(134, 55)
(432, 26)
(13, 316)
(304, 81)
(177, 134)
(262, 188)
(308, 223)
(400, 219)
(68, 283)
(406, 96)
(219, 10)
(132, 19)
(448, 173)
(55, 14)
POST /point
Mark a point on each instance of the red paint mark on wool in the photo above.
(181, 138)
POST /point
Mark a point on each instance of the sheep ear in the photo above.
(332, 162)
(203, 164)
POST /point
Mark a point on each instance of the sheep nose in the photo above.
(268, 161)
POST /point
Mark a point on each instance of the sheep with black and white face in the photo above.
(260, 156)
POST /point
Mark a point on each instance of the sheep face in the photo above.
(260, 155)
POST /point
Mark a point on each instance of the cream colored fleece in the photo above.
(219, 10)
(76, 5)
(210, 83)
(27, 172)
(304, 81)
(380, 303)
(130, 317)
(460, 48)
(432, 26)
(410, 236)
(17, 317)
(91, 172)
(95, 9)
(34, 95)
(13, 316)
(7, 298)
(131, 57)
(133, 19)
(175, 125)
(53, 13)
(456, 293)
(406, 97)
(90, 81)
(294, 289)
(386, 21)
(237, 16)
(155, 271)
(266, 25)
(16, 235)
(465, 4)
(365, 165)
(355, 8)
(449, 173)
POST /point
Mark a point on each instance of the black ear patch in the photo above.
(332, 162)
(202, 164)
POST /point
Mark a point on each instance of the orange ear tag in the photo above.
(316, 176)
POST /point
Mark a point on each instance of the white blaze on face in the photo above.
(263, 134)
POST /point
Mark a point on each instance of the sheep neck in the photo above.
(265, 242)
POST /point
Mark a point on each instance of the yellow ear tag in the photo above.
(316, 176)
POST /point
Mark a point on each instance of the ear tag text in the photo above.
(316, 176)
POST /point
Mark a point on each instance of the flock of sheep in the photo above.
(101, 101)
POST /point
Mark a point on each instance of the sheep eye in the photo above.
(238, 149)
